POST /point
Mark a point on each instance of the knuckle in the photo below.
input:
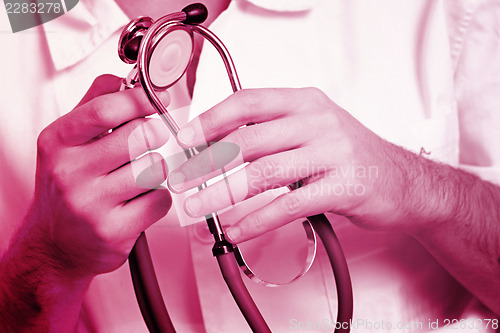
(99, 81)
(102, 108)
(104, 232)
(158, 169)
(329, 126)
(45, 141)
(348, 149)
(160, 205)
(209, 121)
(138, 139)
(315, 93)
(102, 81)
(291, 204)
(87, 200)
(248, 99)
(164, 202)
(250, 138)
(221, 194)
(61, 176)
(267, 170)
(256, 223)
(142, 137)
(152, 163)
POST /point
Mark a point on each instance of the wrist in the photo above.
(63, 298)
(59, 246)
(40, 293)
(433, 194)
(413, 193)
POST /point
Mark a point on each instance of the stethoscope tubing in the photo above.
(147, 290)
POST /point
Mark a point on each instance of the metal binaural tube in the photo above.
(142, 66)
(224, 53)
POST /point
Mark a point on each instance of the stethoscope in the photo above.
(144, 42)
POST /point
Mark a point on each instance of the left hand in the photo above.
(300, 134)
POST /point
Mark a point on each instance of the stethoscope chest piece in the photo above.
(170, 57)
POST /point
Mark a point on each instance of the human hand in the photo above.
(88, 207)
(300, 135)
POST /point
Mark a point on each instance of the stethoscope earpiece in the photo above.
(131, 37)
(196, 13)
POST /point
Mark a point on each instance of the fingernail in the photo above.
(176, 178)
(152, 176)
(164, 96)
(192, 206)
(160, 168)
(164, 168)
(233, 234)
(186, 135)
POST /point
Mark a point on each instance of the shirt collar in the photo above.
(74, 35)
(287, 5)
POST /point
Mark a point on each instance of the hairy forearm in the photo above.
(35, 295)
(458, 220)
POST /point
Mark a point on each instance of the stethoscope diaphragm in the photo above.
(170, 57)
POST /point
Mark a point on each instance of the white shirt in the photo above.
(408, 71)
(50, 67)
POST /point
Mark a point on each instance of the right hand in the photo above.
(88, 207)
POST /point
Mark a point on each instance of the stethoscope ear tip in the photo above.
(196, 13)
(130, 38)
(131, 48)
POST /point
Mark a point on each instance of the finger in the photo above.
(143, 211)
(102, 85)
(254, 142)
(241, 108)
(270, 137)
(102, 114)
(135, 178)
(125, 144)
(302, 202)
(270, 172)
(211, 162)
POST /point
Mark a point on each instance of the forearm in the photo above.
(35, 294)
(458, 220)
